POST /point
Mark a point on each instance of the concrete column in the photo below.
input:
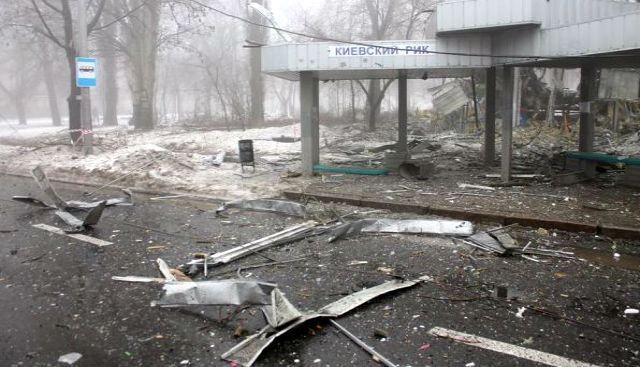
(507, 123)
(490, 118)
(517, 97)
(310, 121)
(588, 92)
(402, 112)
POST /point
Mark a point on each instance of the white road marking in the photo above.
(79, 237)
(506, 348)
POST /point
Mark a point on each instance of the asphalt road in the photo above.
(57, 296)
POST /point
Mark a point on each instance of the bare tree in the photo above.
(54, 20)
(47, 57)
(21, 69)
(109, 62)
(373, 20)
(141, 35)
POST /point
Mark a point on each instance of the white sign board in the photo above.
(400, 49)
(86, 73)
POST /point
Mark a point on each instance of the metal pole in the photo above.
(517, 97)
(490, 118)
(507, 127)
(588, 75)
(402, 112)
(475, 100)
(362, 345)
(82, 50)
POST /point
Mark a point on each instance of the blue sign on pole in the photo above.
(86, 72)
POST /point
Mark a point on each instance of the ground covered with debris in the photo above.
(60, 298)
(183, 160)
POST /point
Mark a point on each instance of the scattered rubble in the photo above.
(248, 351)
(266, 205)
(63, 207)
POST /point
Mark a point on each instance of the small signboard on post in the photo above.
(86, 72)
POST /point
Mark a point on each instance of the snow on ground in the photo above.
(178, 159)
(167, 159)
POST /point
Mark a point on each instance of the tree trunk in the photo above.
(142, 97)
(73, 101)
(20, 110)
(109, 64)
(178, 96)
(47, 74)
(223, 104)
(142, 47)
(353, 103)
(110, 67)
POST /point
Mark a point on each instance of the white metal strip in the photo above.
(79, 237)
(510, 349)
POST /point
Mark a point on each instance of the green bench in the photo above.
(604, 158)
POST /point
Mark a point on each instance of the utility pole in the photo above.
(82, 50)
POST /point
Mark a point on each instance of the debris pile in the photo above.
(498, 241)
(62, 207)
(280, 314)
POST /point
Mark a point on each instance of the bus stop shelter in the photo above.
(473, 36)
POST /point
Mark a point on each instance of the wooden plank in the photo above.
(80, 237)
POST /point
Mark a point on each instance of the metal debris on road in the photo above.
(348, 303)
(280, 311)
(267, 205)
(43, 181)
(437, 227)
(510, 349)
(362, 344)
(247, 352)
(486, 242)
(494, 240)
(90, 220)
(60, 204)
(547, 252)
(216, 292)
(165, 270)
(478, 187)
(79, 237)
(285, 236)
(137, 279)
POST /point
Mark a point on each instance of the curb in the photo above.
(133, 189)
(474, 216)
